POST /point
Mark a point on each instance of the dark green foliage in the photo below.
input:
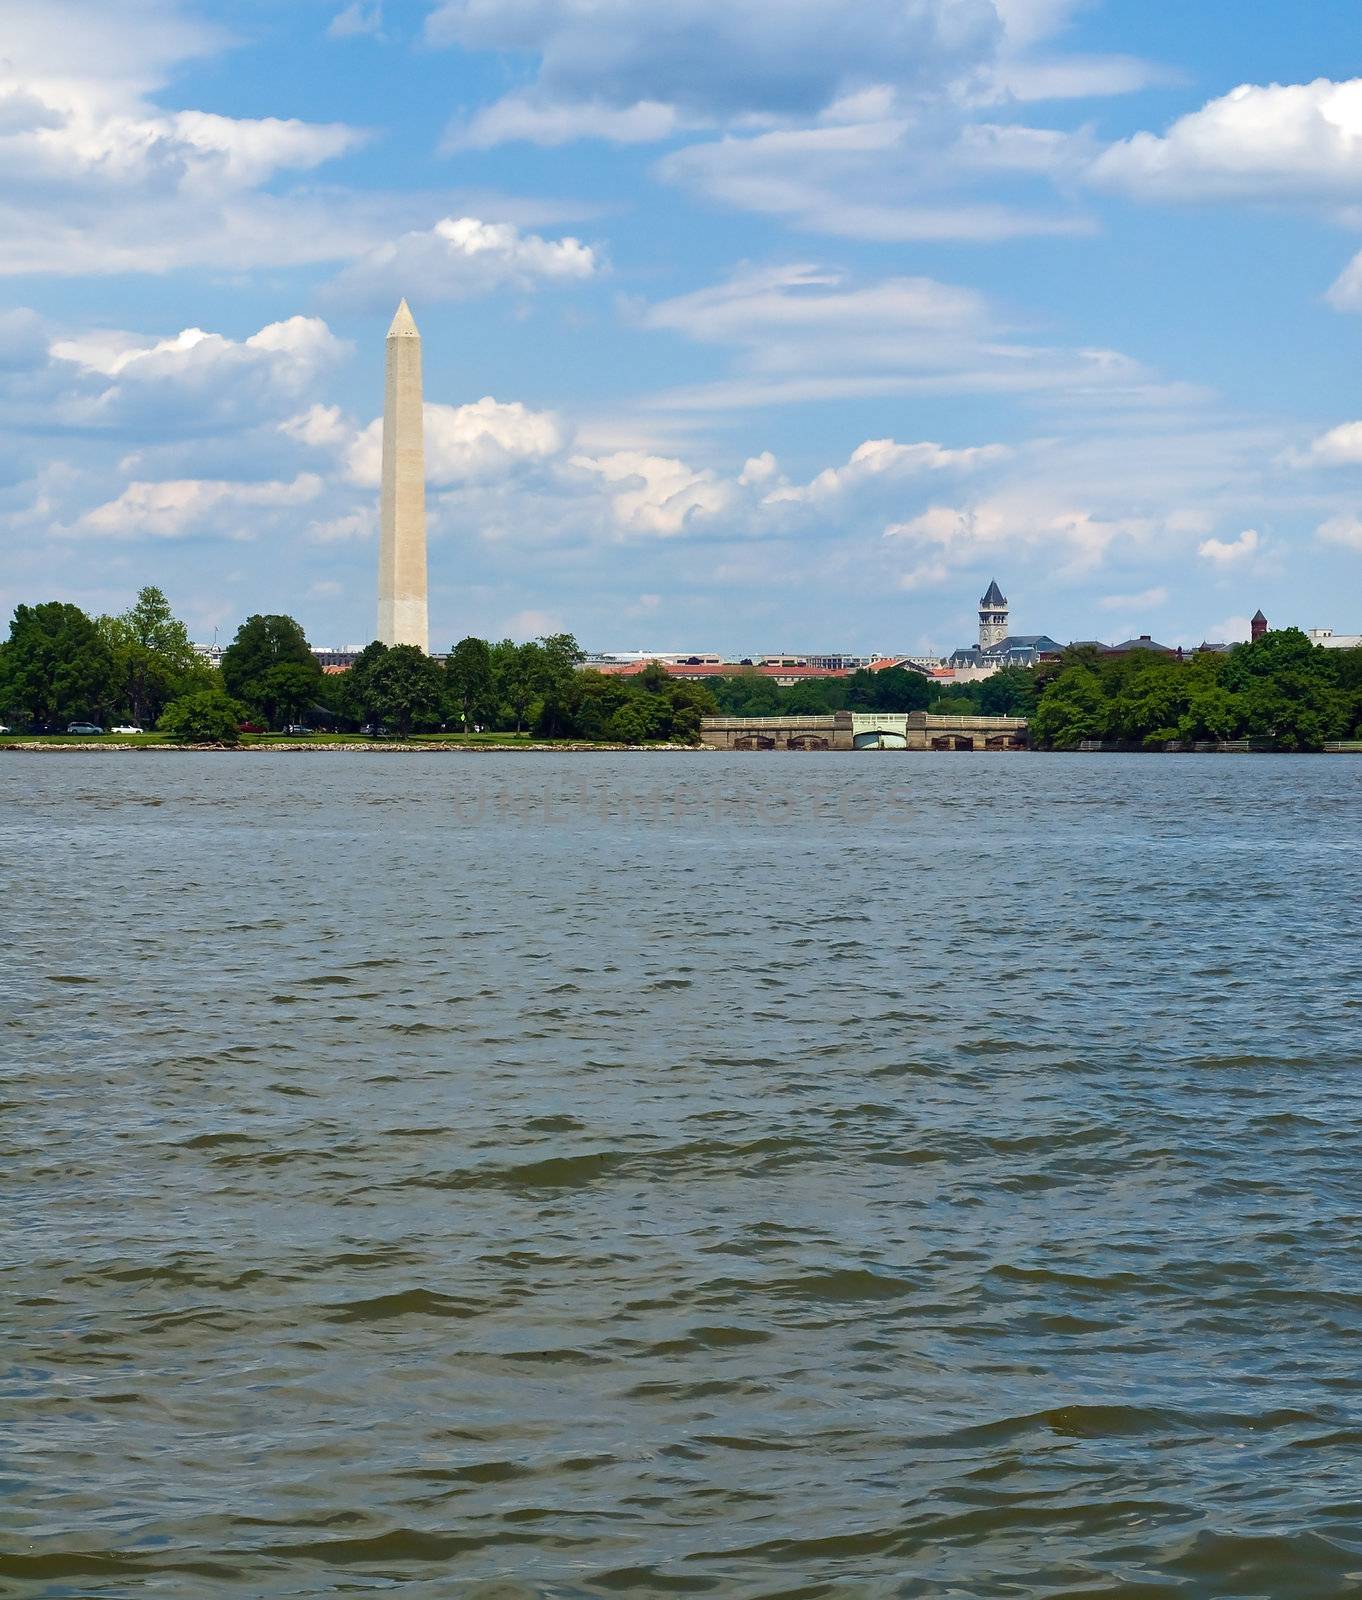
(355, 695)
(154, 662)
(55, 668)
(1280, 688)
(1010, 692)
(469, 681)
(207, 716)
(269, 666)
(405, 689)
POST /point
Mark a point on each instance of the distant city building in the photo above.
(1258, 626)
(1327, 639)
(992, 617)
(342, 656)
(1144, 642)
(211, 653)
(997, 648)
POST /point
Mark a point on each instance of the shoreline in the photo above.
(25, 747)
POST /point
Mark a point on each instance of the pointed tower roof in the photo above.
(404, 324)
(1258, 616)
(994, 596)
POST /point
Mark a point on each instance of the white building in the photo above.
(1327, 639)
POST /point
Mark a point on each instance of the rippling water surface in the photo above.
(628, 1175)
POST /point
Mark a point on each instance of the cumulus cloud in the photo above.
(173, 510)
(954, 536)
(886, 459)
(711, 57)
(1229, 552)
(195, 380)
(460, 257)
(358, 19)
(96, 177)
(1259, 142)
(523, 117)
(657, 495)
(1339, 447)
(485, 439)
(1343, 530)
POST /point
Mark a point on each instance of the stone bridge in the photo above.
(864, 730)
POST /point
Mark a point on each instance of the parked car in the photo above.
(83, 727)
(297, 730)
(5, 728)
(251, 727)
(374, 730)
(127, 727)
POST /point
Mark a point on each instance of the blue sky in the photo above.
(785, 325)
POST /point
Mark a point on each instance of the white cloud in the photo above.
(868, 171)
(357, 19)
(657, 494)
(1145, 600)
(806, 333)
(712, 57)
(97, 178)
(461, 257)
(1339, 447)
(555, 122)
(1228, 553)
(1345, 294)
(173, 509)
(485, 439)
(884, 458)
(778, 310)
(1025, 521)
(195, 380)
(320, 427)
(526, 625)
(1345, 530)
(1287, 142)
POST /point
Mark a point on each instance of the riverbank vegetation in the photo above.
(1282, 689)
(139, 669)
(59, 666)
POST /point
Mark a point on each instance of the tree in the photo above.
(556, 664)
(468, 676)
(356, 693)
(628, 725)
(262, 644)
(154, 662)
(1010, 692)
(1072, 709)
(808, 698)
(406, 687)
(896, 689)
(207, 716)
(55, 667)
(519, 678)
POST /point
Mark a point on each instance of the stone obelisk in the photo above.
(402, 610)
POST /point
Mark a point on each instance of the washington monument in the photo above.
(402, 609)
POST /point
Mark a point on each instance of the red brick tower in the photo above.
(1258, 627)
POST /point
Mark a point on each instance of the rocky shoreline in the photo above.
(392, 748)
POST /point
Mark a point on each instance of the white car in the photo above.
(5, 728)
(128, 727)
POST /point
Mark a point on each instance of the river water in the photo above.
(602, 1175)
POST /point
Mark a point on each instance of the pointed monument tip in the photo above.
(404, 322)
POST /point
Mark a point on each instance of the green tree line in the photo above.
(1281, 688)
(60, 666)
